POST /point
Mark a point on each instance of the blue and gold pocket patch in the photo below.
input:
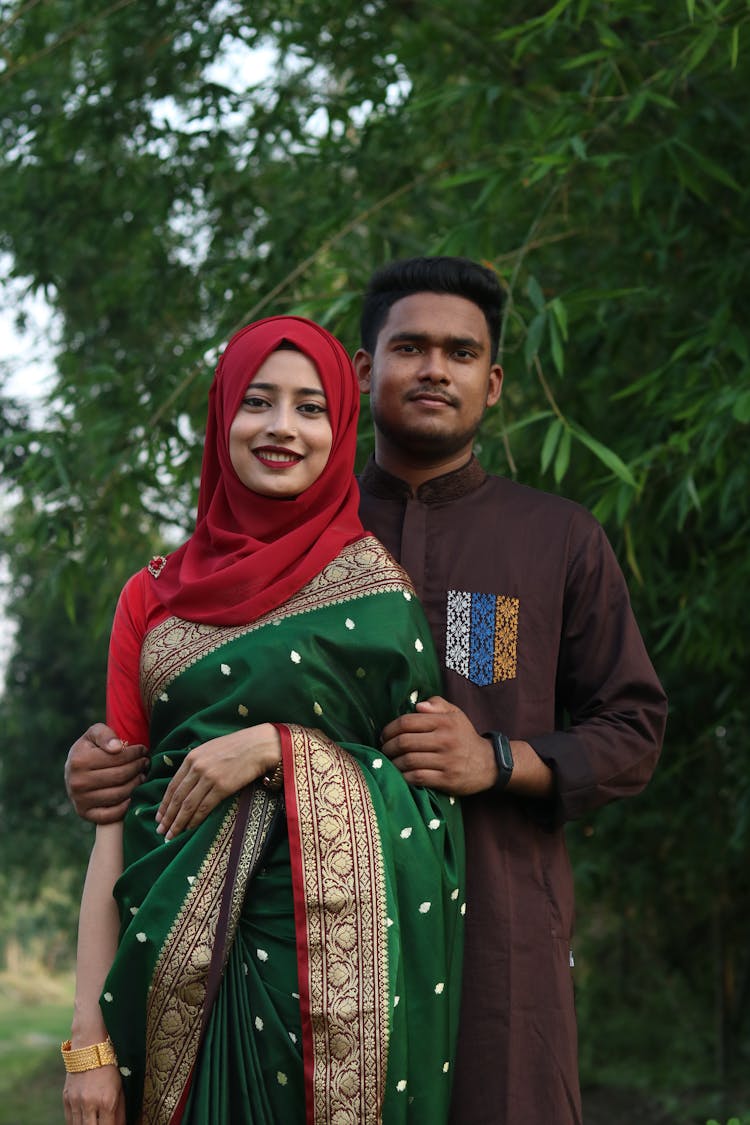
(482, 636)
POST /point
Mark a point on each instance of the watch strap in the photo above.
(503, 758)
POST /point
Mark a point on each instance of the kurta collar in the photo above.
(439, 490)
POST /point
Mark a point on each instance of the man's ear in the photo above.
(363, 367)
(494, 390)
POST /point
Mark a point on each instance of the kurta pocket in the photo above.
(481, 641)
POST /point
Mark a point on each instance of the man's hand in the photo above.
(438, 747)
(101, 773)
(212, 771)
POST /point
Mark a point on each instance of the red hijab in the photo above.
(250, 553)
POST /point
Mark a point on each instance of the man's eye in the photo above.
(408, 348)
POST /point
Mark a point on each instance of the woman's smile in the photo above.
(275, 457)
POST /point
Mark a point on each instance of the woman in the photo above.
(295, 955)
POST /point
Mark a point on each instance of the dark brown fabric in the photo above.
(579, 652)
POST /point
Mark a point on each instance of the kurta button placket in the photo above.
(414, 543)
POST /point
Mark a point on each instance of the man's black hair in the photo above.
(458, 276)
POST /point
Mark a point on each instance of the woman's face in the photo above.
(281, 435)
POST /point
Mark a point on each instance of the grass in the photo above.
(35, 1012)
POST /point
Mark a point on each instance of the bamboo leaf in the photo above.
(487, 191)
(528, 420)
(562, 460)
(556, 346)
(534, 337)
(734, 46)
(578, 146)
(460, 178)
(538, 21)
(636, 106)
(741, 408)
(630, 554)
(607, 456)
(536, 296)
(549, 445)
(584, 60)
(701, 49)
(560, 314)
(710, 167)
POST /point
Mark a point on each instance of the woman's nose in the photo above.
(281, 421)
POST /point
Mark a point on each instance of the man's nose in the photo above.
(434, 366)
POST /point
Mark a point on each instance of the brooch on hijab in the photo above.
(156, 566)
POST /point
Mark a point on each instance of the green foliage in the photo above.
(35, 1013)
(591, 152)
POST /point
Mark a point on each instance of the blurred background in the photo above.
(171, 169)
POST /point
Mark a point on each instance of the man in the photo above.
(531, 618)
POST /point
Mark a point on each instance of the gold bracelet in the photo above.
(275, 780)
(88, 1058)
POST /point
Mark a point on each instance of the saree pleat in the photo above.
(333, 914)
(254, 1027)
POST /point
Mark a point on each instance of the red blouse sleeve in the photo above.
(138, 610)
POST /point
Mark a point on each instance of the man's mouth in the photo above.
(278, 458)
(432, 398)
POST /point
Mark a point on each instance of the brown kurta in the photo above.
(532, 621)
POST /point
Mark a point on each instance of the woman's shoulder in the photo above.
(361, 569)
(365, 566)
(139, 599)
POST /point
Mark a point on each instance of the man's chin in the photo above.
(427, 446)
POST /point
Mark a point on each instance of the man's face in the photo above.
(431, 376)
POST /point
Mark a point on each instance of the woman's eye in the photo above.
(253, 400)
(312, 408)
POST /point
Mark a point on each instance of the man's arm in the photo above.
(438, 747)
(101, 773)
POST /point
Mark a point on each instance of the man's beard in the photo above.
(424, 444)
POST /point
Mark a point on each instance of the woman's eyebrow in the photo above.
(298, 390)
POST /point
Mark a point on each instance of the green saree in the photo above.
(296, 958)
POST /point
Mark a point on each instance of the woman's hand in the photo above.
(213, 771)
(94, 1097)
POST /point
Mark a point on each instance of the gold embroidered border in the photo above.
(178, 989)
(360, 570)
(344, 891)
(506, 638)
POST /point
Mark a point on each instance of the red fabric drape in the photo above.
(250, 553)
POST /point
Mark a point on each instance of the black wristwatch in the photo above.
(503, 758)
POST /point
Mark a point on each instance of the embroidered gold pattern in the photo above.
(345, 902)
(506, 638)
(178, 989)
(360, 570)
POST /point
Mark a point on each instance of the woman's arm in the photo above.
(97, 1091)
